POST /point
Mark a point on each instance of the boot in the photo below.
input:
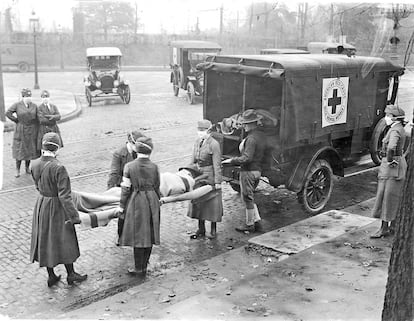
(382, 232)
(246, 228)
(18, 164)
(53, 278)
(201, 232)
(76, 277)
(213, 233)
(258, 226)
(73, 276)
(393, 227)
(139, 258)
(27, 163)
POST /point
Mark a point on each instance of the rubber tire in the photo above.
(176, 87)
(23, 67)
(88, 97)
(190, 93)
(317, 166)
(376, 140)
(126, 95)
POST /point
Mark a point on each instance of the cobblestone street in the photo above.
(89, 142)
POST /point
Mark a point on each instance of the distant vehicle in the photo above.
(104, 79)
(331, 48)
(184, 57)
(278, 51)
(17, 56)
(320, 114)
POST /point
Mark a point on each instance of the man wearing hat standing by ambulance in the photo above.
(48, 116)
(252, 150)
(24, 114)
(392, 171)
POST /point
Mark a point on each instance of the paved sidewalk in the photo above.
(64, 100)
(339, 273)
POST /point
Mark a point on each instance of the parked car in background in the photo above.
(331, 48)
(320, 113)
(17, 56)
(185, 55)
(104, 78)
(278, 51)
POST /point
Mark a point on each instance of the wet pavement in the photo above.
(89, 142)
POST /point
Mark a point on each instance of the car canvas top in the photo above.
(103, 51)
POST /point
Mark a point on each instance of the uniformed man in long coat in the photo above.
(141, 206)
(48, 115)
(54, 238)
(24, 114)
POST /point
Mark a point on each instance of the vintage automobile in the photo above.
(282, 51)
(105, 79)
(185, 55)
(320, 113)
(331, 48)
(18, 56)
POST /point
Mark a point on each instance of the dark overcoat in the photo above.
(48, 117)
(25, 134)
(207, 157)
(142, 215)
(53, 241)
(119, 158)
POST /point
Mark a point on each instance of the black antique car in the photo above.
(104, 79)
(184, 57)
(319, 112)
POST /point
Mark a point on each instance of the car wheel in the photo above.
(375, 144)
(190, 93)
(88, 97)
(176, 88)
(23, 67)
(317, 188)
(126, 95)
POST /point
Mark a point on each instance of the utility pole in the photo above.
(251, 18)
(237, 22)
(266, 18)
(331, 22)
(221, 19)
(136, 23)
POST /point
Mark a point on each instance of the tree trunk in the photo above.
(398, 302)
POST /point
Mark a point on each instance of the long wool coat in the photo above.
(53, 241)
(207, 156)
(119, 159)
(390, 186)
(142, 215)
(25, 134)
(46, 124)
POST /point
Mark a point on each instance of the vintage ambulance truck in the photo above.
(324, 112)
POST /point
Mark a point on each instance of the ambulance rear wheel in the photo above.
(317, 188)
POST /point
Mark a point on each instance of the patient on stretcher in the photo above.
(98, 209)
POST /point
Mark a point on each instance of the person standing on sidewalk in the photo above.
(252, 149)
(207, 158)
(54, 238)
(48, 116)
(24, 114)
(125, 154)
(392, 171)
(141, 206)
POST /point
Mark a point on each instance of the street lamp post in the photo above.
(59, 30)
(34, 22)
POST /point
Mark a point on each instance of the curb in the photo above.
(8, 126)
(83, 68)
